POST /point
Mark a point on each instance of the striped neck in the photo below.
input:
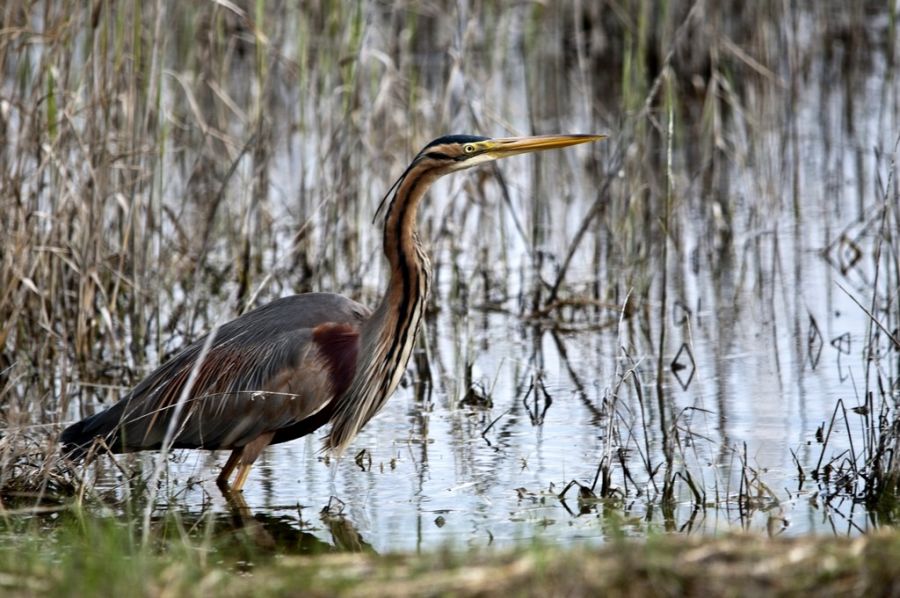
(388, 337)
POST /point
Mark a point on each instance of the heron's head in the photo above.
(456, 152)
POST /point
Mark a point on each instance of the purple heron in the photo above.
(287, 368)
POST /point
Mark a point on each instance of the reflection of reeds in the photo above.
(868, 471)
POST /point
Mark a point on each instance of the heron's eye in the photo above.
(469, 148)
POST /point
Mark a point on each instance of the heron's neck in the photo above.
(388, 336)
(396, 320)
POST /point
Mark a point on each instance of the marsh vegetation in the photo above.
(690, 327)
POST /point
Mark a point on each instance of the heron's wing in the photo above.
(264, 371)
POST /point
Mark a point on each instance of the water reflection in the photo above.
(241, 529)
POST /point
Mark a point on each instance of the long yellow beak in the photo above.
(510, 146)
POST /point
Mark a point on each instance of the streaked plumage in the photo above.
(283, 370)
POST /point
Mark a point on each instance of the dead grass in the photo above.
(671, 565)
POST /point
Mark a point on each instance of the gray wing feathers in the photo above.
(261, 373)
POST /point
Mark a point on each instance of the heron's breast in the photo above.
(337, 348)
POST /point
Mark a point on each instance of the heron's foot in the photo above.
(233, 461)
(222, 483)
(240, 479)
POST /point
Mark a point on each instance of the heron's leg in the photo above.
(229, 466)
(249, 454)
(242, 474)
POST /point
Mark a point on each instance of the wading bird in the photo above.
(287, 368)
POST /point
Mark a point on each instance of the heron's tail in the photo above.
(78, 438)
